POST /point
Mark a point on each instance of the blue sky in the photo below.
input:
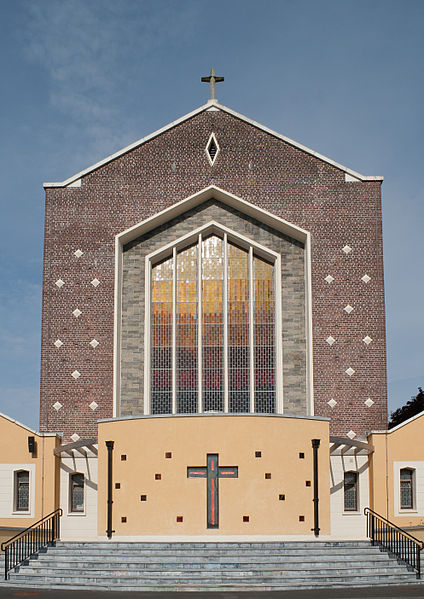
(83, 78)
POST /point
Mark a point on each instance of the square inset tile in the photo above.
(94, 343)
(330, 340)
(76, 374)
(366, 278)
(329, 279)
(58, 343)
(59, 283)
(369, 402)
(350, 371)
(348, 309)
(351, 434)
(78, 253)
(57, 406)
(95, 282)
(367, 340)
(347, 249)
(75, 437)
(332, 403)
(94, 405)
(77, 312)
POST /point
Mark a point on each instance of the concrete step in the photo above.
(152, 564)
(214, 566)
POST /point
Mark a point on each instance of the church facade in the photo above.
(213, 308)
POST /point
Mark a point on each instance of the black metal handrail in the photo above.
(29, 541)
(384, 533)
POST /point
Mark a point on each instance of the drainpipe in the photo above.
(109, 531)
(315, 445)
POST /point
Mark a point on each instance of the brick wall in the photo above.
(261, 169)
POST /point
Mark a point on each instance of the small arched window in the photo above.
(76, 492)
(351, 491)
(21, 500)
(407, 489)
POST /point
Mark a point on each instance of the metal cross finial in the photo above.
(212, 80)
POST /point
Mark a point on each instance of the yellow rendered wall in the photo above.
(14, 451)
(397, 449)
(145, 441)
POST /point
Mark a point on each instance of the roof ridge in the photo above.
(72, 181)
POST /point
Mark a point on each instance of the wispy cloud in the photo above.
(96, 56)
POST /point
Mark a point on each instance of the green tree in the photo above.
(414, 406)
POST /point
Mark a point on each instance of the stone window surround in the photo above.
(180, 207)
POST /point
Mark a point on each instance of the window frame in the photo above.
(71, 487)
(16, 508)
(245, 243)
(355, 486)
(412, 507)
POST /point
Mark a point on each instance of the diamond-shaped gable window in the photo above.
(212, 149)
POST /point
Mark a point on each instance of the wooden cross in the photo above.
(212, 472)
(212, 80)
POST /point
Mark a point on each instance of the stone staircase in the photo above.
(211, 566)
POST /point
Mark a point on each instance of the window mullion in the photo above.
(251, 333)
(225, 314)
(199, 327)
(174, 330)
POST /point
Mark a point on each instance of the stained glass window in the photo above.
(76, 492)
(213, 330)
(161, 337)
(22, 491)
(406, 489)
(351, 491)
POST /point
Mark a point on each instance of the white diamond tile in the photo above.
(95, 282)
(75, 437)
(77, 312)
(367, 340)
(58, 343)
(348, 309)
(366, 278)
(57, 406)
(78, 253)
(76, 374)
(369, 402)
(330, 340)
(350, 371)
(347, 249)
(59, 283)
(329, 279)
(94, 343)
(351, 434)
(93, 405)
(332, 403)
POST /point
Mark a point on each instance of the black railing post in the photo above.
(109, 531)
(315, 446)
(418, 562)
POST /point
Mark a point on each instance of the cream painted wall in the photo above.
(145, 440)
(348, 525)
(397, 448)
(43, 467)
(7, 491)
(418, 489)
(79, 526)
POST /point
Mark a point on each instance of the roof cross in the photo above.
(212, 80)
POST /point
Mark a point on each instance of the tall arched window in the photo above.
(213, 327)
(21, 491)
(351, 491)
(407, 491)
